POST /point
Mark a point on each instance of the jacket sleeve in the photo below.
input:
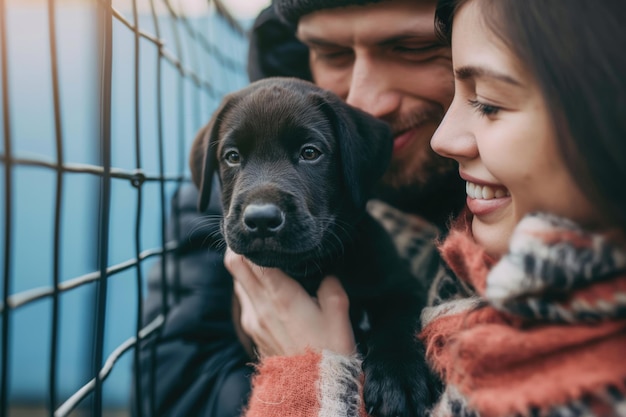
(196, 365)
(309, 385)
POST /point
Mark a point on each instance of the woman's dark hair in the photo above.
(576, 52)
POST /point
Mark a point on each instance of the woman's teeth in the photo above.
(485, 192)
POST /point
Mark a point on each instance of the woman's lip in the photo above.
(481, 207)
(475, 180)
(484, 197)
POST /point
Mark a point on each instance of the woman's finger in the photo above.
(280, 315)
(269, 335)
(275, 282)
(335, 305)
(331, 296)
(241, 271)
(247, 319)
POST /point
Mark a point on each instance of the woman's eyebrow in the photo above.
(466, 72)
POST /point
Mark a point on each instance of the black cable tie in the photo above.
(137, 179)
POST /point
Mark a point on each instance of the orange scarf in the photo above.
(545, 331)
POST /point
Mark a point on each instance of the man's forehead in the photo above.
(374, 23)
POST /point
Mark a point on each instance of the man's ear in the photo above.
(203, 157)
(365, 145)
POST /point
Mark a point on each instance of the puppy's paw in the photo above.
(397, 386)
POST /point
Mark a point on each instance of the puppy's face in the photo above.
(281, 177)
(293, 166)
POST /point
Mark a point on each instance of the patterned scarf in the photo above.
(541, 332)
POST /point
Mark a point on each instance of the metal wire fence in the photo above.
(154, 73)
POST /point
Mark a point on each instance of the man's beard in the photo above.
(438, 197)
(417, 163)
(418, 170)
(419, 180)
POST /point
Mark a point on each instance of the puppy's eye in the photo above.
(309, 153)
(232, 157)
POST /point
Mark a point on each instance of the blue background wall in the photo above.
(32, 136)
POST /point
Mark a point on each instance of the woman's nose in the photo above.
(454, 137)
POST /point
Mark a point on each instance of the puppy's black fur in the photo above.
(296, 166)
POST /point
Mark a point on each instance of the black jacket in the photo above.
(196, 367)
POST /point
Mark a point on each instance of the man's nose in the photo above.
(454, 137)
(372, 89)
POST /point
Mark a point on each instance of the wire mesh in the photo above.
(201, 72)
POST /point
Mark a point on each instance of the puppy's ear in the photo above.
(198, 152)
(203, 157)
(365, 145)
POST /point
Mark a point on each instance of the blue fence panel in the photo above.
(51, 149)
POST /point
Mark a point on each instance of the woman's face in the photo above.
(500, 132)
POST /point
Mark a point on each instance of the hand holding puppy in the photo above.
(282, 319)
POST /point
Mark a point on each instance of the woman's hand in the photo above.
(282, 319)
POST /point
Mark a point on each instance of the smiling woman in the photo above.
(506, 144)
(528, 318)
(537, 128)
(514, 149)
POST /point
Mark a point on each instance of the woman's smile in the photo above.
(483, 199)
(498, 128)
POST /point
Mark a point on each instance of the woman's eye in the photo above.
(484, 109)
(233, 157)
(309, 153)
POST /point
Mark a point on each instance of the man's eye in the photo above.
(310, 153)
(233, 157)
(417, 48)
(333, 56)
(418, 51)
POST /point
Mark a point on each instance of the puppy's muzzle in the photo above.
(263, 220)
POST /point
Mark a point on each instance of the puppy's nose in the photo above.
(263, 218)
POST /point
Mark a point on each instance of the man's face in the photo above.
(385, 59)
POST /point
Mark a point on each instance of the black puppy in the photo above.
(296, 166)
